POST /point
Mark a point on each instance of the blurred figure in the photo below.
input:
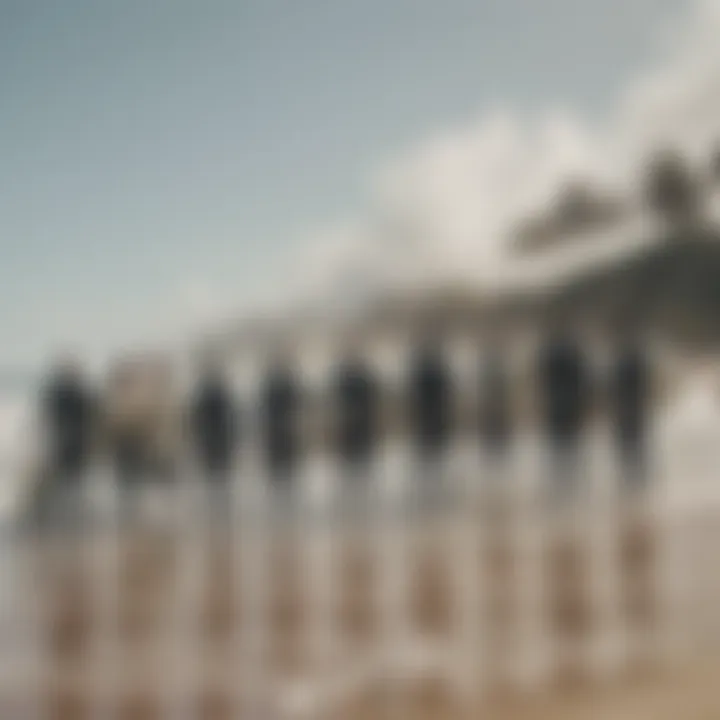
(564, 388)
(357, 415)
(166, 421)
(214, 426)
(495, 398)
(430, 407)
(630, 395)
(69, 417)
(280, 417)
(127, 429)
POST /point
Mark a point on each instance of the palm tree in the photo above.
(715, 165)
(579, 209)
(672, 189)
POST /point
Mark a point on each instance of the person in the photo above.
(126, 429)
(214, 426)
(630, 390)
(69, 416)
(430, 402)
(430, 410)
(356, 399)
(564, 387)
(280, 431)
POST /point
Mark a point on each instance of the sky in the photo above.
(167, 162)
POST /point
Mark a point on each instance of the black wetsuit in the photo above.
(430, 405)
(280, 424)
(215, 429)
(356, 396)
(629, 397)
(564, 387)
(70, 417)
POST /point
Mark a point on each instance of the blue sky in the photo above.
(151, 146)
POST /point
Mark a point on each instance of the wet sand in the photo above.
(156, 615)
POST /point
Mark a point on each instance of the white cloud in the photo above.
(445, 208)
(679, 102)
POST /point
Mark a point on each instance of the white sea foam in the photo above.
(18, 445)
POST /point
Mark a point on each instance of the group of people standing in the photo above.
(564, 385)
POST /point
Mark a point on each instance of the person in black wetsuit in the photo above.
(430, 408)
(214, 426)
(280, 401)
(630, 390)
(564, 388)
(70, 417)
(356, 396)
